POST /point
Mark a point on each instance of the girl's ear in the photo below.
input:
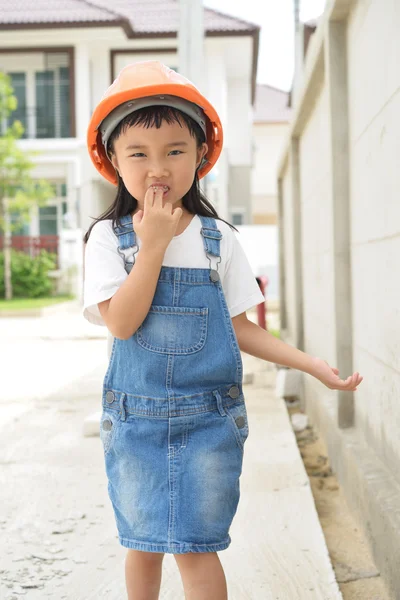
(201, 152)
(114, 162)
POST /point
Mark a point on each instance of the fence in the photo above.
(32, 245)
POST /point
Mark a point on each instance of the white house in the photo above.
(270, 125)
(61, 62)
(260, 238)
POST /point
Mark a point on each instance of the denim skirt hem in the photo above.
(182, 548)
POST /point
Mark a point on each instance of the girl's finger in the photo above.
(148, 198)
(346, 383)
(351, 380)
(158, 196)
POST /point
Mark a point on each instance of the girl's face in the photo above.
(167, 156)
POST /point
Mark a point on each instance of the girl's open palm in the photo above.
(330, 377)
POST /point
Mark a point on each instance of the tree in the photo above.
(18, 190)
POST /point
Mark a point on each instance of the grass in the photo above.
(29, 303)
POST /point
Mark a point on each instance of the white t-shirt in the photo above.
(105, 271)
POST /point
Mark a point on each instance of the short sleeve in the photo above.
(240, 285)
(104, 271)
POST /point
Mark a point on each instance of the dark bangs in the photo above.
(155, 116)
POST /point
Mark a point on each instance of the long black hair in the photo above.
(153, 116)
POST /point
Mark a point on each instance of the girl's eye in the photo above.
(140, 154)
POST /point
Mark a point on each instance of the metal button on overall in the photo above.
(234, 391)
(214, 275)
(240, 422)
(110, 397)
(107, 425)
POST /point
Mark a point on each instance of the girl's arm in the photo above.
(127, 309)
(156, 226)
(258, 342)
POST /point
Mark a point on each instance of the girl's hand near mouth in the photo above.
(156, 225)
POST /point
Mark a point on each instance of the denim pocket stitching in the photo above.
(181, 311)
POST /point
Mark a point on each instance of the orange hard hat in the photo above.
(149, 83)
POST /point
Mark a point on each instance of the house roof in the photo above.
(23, 12)
(162, 16)
(143, 16)
(138, 18)
(271, 105)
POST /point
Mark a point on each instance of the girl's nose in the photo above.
(157, 170)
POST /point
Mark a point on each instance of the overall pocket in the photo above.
(237, 415)
(109, 422)
(173, 329)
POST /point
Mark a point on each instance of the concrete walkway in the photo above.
(58, 535)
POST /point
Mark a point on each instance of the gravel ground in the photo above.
(355, 571)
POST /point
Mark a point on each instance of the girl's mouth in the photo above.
(165, 189)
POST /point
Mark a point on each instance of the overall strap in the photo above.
(211, 240)
(211, 235)
(126, 239)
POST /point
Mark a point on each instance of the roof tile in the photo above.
(52, 11)
(145, 17)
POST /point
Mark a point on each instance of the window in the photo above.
(53, 118)
(50, 215)
(22, 228)
(237, 218)
(65, 107)
(48, 220)
(42, 85)
(45, 97)
(18, 81)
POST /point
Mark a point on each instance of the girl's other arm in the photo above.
(258, 342)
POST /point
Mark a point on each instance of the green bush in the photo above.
(29, 276)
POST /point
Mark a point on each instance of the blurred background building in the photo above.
(61, 62)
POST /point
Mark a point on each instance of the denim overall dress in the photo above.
(174, 420)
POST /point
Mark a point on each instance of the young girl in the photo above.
(172, 284)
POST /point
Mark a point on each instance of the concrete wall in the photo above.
(374, 92)
(288, 257)
(339, 214)
(317, 242)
